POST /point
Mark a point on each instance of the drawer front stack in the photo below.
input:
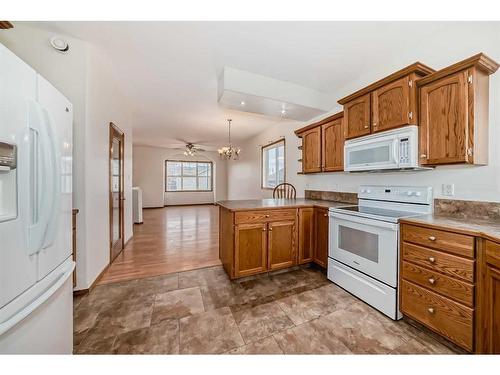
(438, 281)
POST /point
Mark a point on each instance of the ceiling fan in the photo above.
(190, 149)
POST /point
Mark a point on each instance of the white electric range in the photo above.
(363, 252)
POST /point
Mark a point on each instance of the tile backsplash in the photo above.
(336, 196)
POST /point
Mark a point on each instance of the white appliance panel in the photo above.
(373, 292)
(368, 245)
(17, 88)
(57, 109)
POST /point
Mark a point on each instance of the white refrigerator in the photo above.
(36, 302)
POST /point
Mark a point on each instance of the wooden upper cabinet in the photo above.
(357, 117)
(391, 105)
(323, 145)
(250, 249)
(311, 150)
(383, 105)
(454, 113)
(444, 120)
(281, 244)
(332, 138)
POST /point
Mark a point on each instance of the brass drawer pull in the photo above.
(432, 281)
(367, 126)
(267, 215)
(430, 310)
(432, 259)
(432, 238)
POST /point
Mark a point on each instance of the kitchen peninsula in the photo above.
(262, 235)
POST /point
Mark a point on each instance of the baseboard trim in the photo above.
(189, 204)
(93, 285)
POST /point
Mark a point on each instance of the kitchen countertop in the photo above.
(486, 228)
(262, 204)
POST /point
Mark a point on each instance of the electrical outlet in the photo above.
(449, 190)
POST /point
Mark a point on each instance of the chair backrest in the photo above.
(285, 190)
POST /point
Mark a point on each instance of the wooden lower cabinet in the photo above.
(281, 244)
(489, 302)
(321, 228)
(306, 240)
(250, 249)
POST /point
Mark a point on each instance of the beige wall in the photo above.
(85, 77)
(454, 43)
(149, 175)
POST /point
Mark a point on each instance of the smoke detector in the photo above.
(59, 44)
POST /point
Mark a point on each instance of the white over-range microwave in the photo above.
(390, 150)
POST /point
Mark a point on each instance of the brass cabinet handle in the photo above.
(432, 281)
(325, 215)
(267, 215)
(432, 238)
(263, 229)
(367, 126)
(423, 156)
(270, 229)
(430, 310)
(432, 259)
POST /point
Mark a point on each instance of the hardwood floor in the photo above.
(172, 239)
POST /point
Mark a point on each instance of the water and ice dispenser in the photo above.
(8, 181)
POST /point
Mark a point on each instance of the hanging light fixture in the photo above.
(229, 152)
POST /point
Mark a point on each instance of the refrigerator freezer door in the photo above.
(59, 119)
(18, 270)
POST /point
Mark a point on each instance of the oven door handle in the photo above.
(365, 221)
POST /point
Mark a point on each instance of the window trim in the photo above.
(190, 161)
(262, 161)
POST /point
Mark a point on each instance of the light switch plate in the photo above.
(449, 190)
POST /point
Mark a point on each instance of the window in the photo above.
(273, 164)
(188, 175)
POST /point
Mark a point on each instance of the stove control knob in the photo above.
(409, 193)
(418, 194)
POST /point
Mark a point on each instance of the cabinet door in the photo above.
(281, 244)
(391, 106)
(332, 136)
(311, 150)
(306, 235)
(357, 117)
(321, 246)
(491, 298)
(250, 249)
(444, 120)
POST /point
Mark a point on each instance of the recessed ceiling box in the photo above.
(249, 92)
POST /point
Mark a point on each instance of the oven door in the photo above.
(368, 245)
(373, 153)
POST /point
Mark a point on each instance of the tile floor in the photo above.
(203, 312)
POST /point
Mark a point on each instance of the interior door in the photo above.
(332, 138)
(281, 244)
(357, 117)
(116, 196)
(57, 244)
(391, 105)
(444, 120)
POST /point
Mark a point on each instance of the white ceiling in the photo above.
(171, 68)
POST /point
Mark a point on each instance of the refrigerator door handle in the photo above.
(40, 181)
(53, 186)
(23, 312)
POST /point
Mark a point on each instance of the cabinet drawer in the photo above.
(451, 319)
(447, 286)
(447, 264)
(459, 244)
(263, 216)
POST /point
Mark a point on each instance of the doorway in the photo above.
(116, 196)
